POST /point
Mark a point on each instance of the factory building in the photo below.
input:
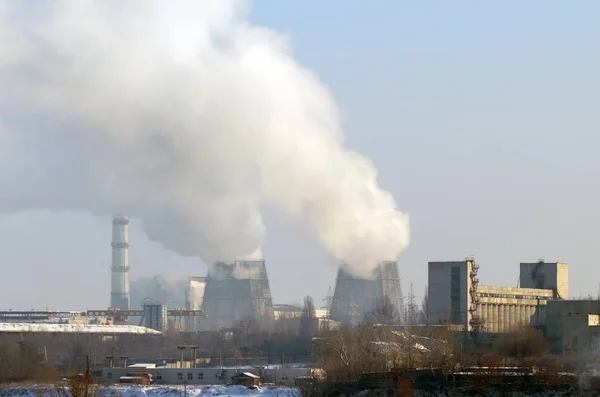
(573, 326)
(234, 292)
(543, 275)
(355, 297)
(279, 375)
(450, 286)
(504, 309)
(455, 296)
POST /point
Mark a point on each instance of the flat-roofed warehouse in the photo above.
(62, 344)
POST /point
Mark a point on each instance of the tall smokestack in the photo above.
(119, 295)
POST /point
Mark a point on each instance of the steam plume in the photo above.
(187, 116)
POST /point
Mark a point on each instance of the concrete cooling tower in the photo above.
(234, 292)
(355, 298)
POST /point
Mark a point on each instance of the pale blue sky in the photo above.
(481, 117)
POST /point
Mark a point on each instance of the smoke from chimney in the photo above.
(187, 116)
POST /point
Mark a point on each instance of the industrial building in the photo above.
(233, 292)
(280, 375)
(355, 297)
(455, 296)
(46, 328)
(573, 326)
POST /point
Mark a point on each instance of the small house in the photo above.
(246, 379)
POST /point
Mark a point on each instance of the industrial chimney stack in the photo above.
(119, 295)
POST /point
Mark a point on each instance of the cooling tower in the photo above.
(355, 298)
(235, 292)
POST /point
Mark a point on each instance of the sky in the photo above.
(481, 118)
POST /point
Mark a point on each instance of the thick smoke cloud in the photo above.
(158, 289)
(187, 116)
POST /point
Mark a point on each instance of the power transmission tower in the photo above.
(352, 312)
(411, 311)
(327, 303)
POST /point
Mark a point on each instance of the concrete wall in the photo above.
(209, 376)
(580, 334)
(563, 321)
(546, 275)
(504, 309)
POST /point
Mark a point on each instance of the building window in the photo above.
(594, 335)
(158, 377)
(109, 375)
(190, 376)
(179, 376)
(200, 376)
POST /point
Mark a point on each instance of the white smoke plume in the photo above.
(186, 115)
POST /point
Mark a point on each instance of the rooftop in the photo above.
(76, 329)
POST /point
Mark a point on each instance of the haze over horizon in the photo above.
(479, 118)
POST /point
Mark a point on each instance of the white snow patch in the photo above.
(165, 391)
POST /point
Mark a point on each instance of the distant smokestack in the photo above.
(119, 295)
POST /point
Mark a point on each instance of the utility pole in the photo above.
(111, 358)
(87, 376)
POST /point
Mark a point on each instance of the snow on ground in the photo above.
(163, 391)
(240, 391)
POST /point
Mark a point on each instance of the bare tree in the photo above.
(308, 319)
(346, 353)
(523, 343)
(384, 312)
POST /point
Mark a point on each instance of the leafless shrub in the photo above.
(522, 343)
(78, 386)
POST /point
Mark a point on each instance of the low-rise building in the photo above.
(280, 375)
(580, 334)
(247, 379)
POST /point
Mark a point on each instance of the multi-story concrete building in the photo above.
(455, 296)
(581, 334)
(546, 275)
(572, 326)
(449, 289)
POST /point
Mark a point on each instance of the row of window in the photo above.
(508, 296)
(199, 375)
(190, 376)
